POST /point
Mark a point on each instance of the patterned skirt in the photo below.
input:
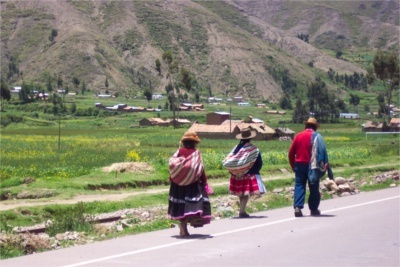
(190, 203)
(244, 186)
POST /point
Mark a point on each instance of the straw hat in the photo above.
(312, 121)
(246, 133)
(192, 136)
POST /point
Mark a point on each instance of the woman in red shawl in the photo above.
(188, 194)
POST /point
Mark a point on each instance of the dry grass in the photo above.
(136, 167)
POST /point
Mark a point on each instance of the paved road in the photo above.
(360, 230)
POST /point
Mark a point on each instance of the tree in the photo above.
(186, 79)
(148, 94)
(285, 102)
(106, 83)
(340, 104)
(300, 112)
(49, 84)
(354, 100)
(158, 66)
(53, 35)
(320, 102)
(288, 85)
(5, 94)
(76, 82)
(83, 87)
(73, 108)
(381, 102)
(172, 67)
(386, 67)
(59, 81)
(331, 74)
(24, 94)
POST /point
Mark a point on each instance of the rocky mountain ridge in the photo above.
(229, 47)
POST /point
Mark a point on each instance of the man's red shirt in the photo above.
(300, 150)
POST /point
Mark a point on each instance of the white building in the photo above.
(157, 96)
(244, 104)
(349, 116)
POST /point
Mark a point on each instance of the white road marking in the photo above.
(219, 234)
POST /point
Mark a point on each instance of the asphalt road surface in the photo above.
(359, 230)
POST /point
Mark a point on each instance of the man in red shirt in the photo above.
(300, 156)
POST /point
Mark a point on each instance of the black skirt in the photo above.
(189, 202)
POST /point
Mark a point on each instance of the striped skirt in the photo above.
(189, 202)
(244, 186)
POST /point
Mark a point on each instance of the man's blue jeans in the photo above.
(301, 172)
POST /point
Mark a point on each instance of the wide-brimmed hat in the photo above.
(246, 133)
(190, 136)
(312, 121)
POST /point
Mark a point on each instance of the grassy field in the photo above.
(59, 157)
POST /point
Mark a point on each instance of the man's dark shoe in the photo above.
(297, 212)
(315, 212)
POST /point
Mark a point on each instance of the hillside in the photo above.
(229, 47)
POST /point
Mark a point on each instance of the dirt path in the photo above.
(18, 203)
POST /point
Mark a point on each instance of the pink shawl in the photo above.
(184, 171)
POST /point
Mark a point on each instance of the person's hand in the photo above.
(208, 189)
(330, 175)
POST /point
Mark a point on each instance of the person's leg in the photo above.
(300, 185)
(183, 231)
(314, 198)
(242, 206)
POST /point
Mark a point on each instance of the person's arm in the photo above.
(292, 155)
(257, 165)
(330, 173)
(203, 177)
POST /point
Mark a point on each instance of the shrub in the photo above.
(71, 219)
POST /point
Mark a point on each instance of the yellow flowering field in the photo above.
(45, 155)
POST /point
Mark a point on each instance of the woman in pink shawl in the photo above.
(188, 194)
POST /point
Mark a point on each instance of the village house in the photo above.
(212, 131)
(250, 119)
(153, 122)
(349, 116)
(191, 107)
(214, 100)
(230, 128)
(216, 118)
(370, 126)
(121, 107)
(104, 96)
(276, 112)
(244, 104)
(198, 107)
(185, 107)
(237, 99)
(157, 97)
(394, 125)
(16, 89)
(264, 132)
(178, 122)
(284, 132)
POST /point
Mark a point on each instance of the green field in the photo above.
(47, 157)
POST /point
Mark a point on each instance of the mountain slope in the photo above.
(230, 47)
